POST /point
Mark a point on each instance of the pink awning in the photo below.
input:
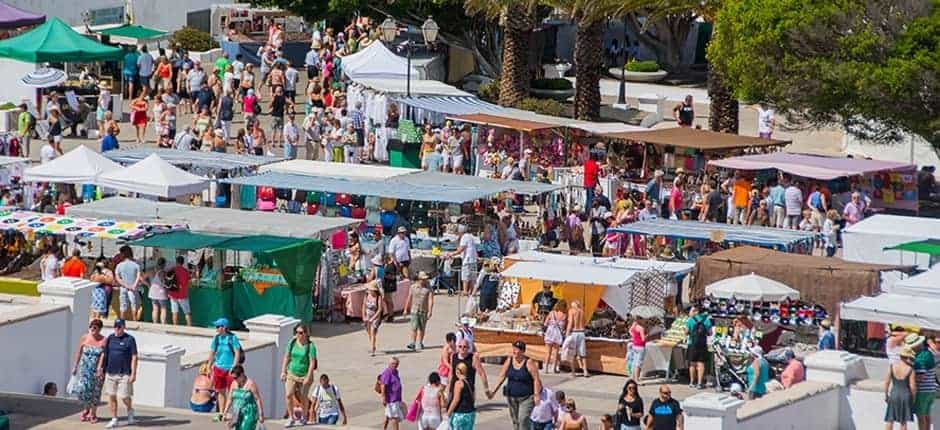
(810, 166)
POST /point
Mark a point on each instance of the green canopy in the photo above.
(133, 32)
(182, 240)
(257, 244)
(55, 42)
(929, 246)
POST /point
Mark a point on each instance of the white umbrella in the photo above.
(752, 288)
(43, 78)
(647, 312)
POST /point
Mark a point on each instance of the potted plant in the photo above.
(556, 89)
(556, 69)
(639, 71)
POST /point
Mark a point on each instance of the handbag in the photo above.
(415, 407)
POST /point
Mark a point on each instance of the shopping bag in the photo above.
(566, 349)
(413, 411)
(260, 426)
(445, 424)
(471, 307)
(72, 387)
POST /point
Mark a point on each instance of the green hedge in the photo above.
(647, 66)
(542, 106)
(193, 39)
(558, 84)
(489, 91)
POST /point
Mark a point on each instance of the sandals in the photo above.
(84, 417)
(93, 419)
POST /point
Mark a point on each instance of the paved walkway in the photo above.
(343, 355)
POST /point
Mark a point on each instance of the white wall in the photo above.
(36, 349)
(818, 412)
(864, 408)
(14, 91)
(167, 15)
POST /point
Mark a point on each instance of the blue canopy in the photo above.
(777, 238)
(449, 105)
(192, 159)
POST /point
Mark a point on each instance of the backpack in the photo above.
(815, 200)
(699, 334)
(241, 351)
(169, 280)
(31, 123)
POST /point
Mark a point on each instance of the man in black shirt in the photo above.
(684, 113)
(544, 301)
(204, 98)
(278, 106)
(714, 205)
(665, 412)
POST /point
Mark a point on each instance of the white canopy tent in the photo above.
(339, 170)
(377, 61)
(926, 284)
(153, 176)
(866, 241)
(891, 308)
(78, 166)
(752, 288)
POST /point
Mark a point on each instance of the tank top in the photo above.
(467, 361)
(520, 382)
(635, 337)
(429, 400)
(686, 113)
(465, 401)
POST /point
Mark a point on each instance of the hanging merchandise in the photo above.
(508, 295)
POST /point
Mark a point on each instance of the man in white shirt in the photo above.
(184, 140)
(291, 76)
(47, 152)
(467, 250)
(765, 121)
(291, 138)
(400, 250)
(793, 202)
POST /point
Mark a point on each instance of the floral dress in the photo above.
(87, 386)
(244, 402)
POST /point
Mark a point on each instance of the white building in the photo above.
(169, 15)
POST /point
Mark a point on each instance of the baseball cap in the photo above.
(119, 323)
(520, 345)
(221, 322)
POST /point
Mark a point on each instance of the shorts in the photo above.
(296, 385)
(636, 356)
(99, 114)
(128, 300)
(419, 320)
(221, 379)
(177, 304)
(578, 344)
(429, 421)
(468, 271)
(290, 151)
(158, 303)
(291, 94)
(696, 354)
(328, 419)
(119, 386)
(547, 425)
(57, 138)
(923, 403)
(457, 162)
(278, 123)
(130, 78)
(817, 217)
(393, 411)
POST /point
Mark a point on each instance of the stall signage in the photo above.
(105, 16)
(262, 278)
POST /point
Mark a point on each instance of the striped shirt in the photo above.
(925, 372)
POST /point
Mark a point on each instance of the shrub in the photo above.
(647, 66)
(192, 39)
(542, 106)
(489, 91)
(558, 84)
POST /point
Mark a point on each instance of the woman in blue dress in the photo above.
(85, 384)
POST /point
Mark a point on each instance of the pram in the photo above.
(447, 276)
(728, 369)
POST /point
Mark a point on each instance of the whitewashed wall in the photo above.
(162, 14)
(35, 348)
(13, 90)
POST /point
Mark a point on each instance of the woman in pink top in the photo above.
(637, 349)
(248, 107)
(675, 199)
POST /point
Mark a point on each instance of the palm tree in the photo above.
(589, 17)
(517, 20)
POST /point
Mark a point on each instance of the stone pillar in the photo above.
(711, 411)
(76, 294)
(279, 330)
(159, 377)
(837, 367)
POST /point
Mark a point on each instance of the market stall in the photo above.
(667, 149)
(153, 176)
(81, 165)
(870, 239)
(911, 302)
(824, 281)
(12, 17)
(610, 289)
(706, 235)
(253, 275)
(242, 30)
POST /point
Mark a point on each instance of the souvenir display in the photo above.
(786, 313)
(678, 332)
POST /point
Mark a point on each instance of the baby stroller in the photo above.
(447, 276)
(727, 372)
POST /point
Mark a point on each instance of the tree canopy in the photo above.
(872, 66)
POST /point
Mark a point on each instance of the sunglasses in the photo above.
(462, 346)
(665, 393)
(300, 332)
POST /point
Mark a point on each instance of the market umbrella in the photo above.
(752, 288)
(647, 312)
(43, 78)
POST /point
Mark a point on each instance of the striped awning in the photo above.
(449, 105)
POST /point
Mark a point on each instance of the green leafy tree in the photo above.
(872, 66)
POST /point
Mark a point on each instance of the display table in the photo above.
(603, 355)
(355, 294)
(663, 356)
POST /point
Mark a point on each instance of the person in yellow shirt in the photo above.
(25, 124)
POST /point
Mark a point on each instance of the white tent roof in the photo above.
(607, 262)
(377, 61)
(866, 240)
(78, 166)
(247, 223)
(926, 284)
(419, 87)
(154, 176)
(751, 287)
(339, 170)
(895, 309)
(4, 160)
(571, 273)
(914, 227)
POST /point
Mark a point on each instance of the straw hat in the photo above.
(913, 340)
(104, 85)
(907, 352)
(372, 286)
(423, 276)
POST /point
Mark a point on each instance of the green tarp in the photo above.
(258, 243)
(930, 247)
(298, 263)
(181, 240)
(248, 303)
(138, 32)
(56, 42)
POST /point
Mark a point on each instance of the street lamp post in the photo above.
(622, 95)
(429, 31)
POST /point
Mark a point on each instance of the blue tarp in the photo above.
(449, 105)
(778, 238)
(192, 159)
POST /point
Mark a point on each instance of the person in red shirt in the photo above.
(592, 171)
(74, 266)
(179, 297)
